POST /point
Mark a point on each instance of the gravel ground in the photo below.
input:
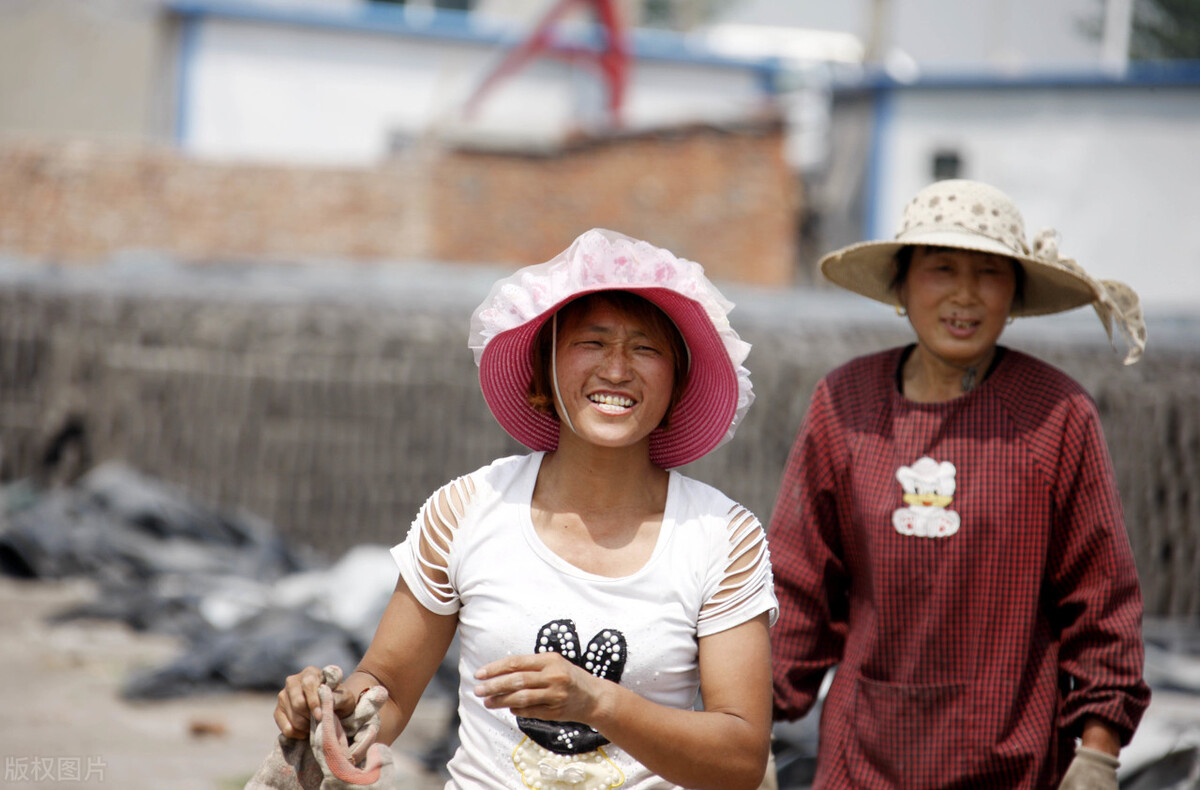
(69, 727)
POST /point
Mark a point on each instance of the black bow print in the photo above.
(603, 656)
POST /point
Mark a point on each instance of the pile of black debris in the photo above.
(251, 608)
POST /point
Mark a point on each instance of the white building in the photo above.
(1110, 162)
(348, 82)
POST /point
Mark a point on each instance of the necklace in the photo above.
(970, 373)
(968, 379)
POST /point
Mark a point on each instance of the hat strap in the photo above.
(562, 410)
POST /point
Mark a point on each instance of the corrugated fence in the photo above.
(336, 418)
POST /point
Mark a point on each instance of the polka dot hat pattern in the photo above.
(970, 207)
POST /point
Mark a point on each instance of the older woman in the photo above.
(948, 531)
(595, 592)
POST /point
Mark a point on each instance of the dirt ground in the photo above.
(67, 725)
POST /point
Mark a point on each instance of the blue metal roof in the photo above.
(460, 26)
(1138, 74)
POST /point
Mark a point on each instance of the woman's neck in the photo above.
(928, 378)
(600, 509)
(587, 479)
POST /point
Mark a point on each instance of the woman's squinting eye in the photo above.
(935, 262)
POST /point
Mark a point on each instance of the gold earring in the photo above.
(901, 310)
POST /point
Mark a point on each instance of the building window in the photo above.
(449, 5)
(681, 15)
(947, 163)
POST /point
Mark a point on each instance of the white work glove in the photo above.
(361, 727)
(345, 748)
(339, 754)
(1091, 769)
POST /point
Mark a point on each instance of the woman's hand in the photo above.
(543, 686)
(299, 701)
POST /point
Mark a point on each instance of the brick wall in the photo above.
(722, 197)
(82, 202)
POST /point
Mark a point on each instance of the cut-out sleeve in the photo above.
(424, 556)
(744, 587)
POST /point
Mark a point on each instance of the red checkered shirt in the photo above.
(966, 566)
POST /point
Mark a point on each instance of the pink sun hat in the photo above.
(505, 326)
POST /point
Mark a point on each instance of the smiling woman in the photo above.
(594, 590)
(948, 530)
(613, 380)
(651, 324)
(957, 302)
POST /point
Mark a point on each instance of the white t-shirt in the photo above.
(513, 596)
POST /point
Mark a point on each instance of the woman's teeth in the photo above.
(611, 400)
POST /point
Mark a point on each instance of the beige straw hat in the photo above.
(971, 215)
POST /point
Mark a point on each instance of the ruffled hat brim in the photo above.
(699, 421)
(718, 391)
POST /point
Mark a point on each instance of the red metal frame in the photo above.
(612, 61)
